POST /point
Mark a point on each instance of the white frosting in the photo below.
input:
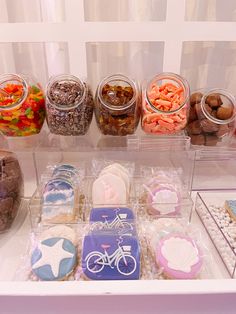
(109, 190)
(165, 201)
(180, 254)
(52, 255)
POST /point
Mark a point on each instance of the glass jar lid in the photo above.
(13, 91)
(117, 92)
(219, 106)
(167, 93)
(65, 91)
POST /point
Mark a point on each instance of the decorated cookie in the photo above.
(163, 201)
(120, 173)
(109, 257)
(65, 171)
(230, 206)
(53, 259)
(109, 189)
(58, 201)
(113, 220)
(179, 257)
(60, 231)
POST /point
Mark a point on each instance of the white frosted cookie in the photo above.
(120, 173)
(109, 189)
(118, 166)
(59, 231)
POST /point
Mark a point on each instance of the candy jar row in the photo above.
(165, 107)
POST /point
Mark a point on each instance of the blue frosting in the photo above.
(232, 206)
(119, 220)
(66, 171)
(58, 191)
(66, 265)
(122, 266)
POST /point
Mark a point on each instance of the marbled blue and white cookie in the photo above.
(53, 259)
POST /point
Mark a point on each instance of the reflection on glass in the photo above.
(209, 64)
(217, 10)
(125, 10)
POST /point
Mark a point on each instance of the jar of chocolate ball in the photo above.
(11, 189)
(212, 117)
(69, 105)
(165, 104)
(117, 106)
(22, 105)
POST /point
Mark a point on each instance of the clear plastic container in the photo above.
(11, 186)
(22, 105)
(117, 107)
(212, 117)
(69, 105)
(165, 104)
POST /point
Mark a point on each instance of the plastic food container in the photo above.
(165, 104)
(11, 186)
(22, 105)
(117, 105)
(69, 105)
(212, 117)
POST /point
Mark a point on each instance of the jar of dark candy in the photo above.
(117, 107)
(69, 105)
(212, 117)
(11, 189)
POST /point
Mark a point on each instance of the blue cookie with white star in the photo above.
(54, 259)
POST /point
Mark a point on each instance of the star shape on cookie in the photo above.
(52, 256)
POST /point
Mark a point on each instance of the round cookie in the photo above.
(60, 231)
(54, 259)
(163, 201)
(179, 257)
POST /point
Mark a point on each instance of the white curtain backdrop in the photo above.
(202, 63)
(40, 59)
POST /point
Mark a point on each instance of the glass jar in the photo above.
(69, 105)
(22, 105)
(212, 117)
(117, 108)
(11, 188)
(165, 104)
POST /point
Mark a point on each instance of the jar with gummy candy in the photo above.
(117, 107)
(165, 104)
(22, 106)
(212, 117)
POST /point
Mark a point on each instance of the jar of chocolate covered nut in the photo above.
(212, 117)
(117, 108)
(11, 189)
(69, 105)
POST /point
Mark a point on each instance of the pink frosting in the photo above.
(195, 263)
(154, 211)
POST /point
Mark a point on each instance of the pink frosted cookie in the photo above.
(163, 201)
(179, 257)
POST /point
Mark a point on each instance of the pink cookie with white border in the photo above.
(163, 201)
(179, 257)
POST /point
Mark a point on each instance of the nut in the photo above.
(223, 130)
(192, 114)
(195, 98)
(224, 113)
(214, 100)
(208, 126)
(211, 140)
(194, 128)
(198, 139)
